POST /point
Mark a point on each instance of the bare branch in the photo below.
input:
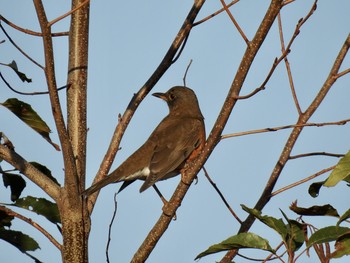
(68, 156)
(110, 227)
(234, 22)
(33, 224)
(286, 62)
(214, 14)
(266, 194)
(341, 74)
(250, 94)
(302, 181)
(221, 196)
(28, 93)
(315, 154)
(284, 157)
(185, 75)
(68, 13)
(342, 122)
(30, 32)
(33, 174)
(18, 48)
(287, 49)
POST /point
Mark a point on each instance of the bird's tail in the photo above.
(99, 185)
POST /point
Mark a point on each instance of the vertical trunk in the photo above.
(75, 221)
(75, 231)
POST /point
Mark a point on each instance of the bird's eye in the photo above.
(171, 96)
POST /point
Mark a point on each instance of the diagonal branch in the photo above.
(284, 157)
(32, 223)
(19, 48)
(213, 139)
(235, 22)
(33, 174)
(28, 31)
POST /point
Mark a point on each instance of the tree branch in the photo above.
(30, 32)
(215, 13)
(33, 174)
(18, 48)
(86, 2)
(303, 180)
(68, 156)
(266, 195)
(273, 129)
(234, 22)
(33, 224)
(189, 175)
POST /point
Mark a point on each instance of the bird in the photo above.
(178, 139)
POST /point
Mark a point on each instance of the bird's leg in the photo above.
(165, 202)
(160, 195)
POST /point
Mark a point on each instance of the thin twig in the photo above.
(185, 75)
(303, 180)
(315, 154)
(30, 32)
(182, 47)
(68, 13)
(234, 22)
(342, 122)
(110, 226)
(243, 97)
(284, 49)
(274, 256)
(18, 48)
(288, 68)
(221, 195)
(286, 2)
(215, 13)
(33, 224)
(29, 93)
(344, 72)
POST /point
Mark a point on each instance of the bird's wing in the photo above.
(174, 143)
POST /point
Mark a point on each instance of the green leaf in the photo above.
(20, 74)
(41, 206)
(342, 247)
(341, 171)
(44, 170)
(316, 210)
(16, 183)
(276, 224)
(243, 240)
(327, 234)
(26, 113)
(21, 241)
(5, 218)
(314, 188)
(295, 236)
(343, 217)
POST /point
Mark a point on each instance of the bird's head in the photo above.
(181, 101)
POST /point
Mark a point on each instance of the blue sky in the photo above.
(127, 41)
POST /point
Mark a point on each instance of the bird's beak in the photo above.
(163, 96)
